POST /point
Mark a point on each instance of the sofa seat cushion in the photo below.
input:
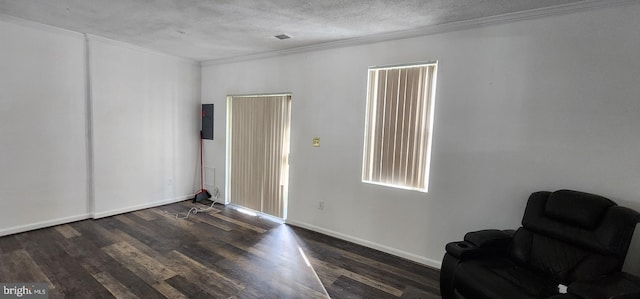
(496, 278)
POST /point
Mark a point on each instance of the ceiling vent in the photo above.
(282, 36)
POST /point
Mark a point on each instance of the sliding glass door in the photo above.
(258, 151)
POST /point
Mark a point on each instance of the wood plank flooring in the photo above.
(220, 253)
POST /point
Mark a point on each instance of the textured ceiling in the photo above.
(218, 29)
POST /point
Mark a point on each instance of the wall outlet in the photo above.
(321, 205)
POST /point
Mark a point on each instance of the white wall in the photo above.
(532, 105)
(43, 168)
(146, 124)
(143, 114)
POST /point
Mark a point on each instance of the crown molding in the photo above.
(39, 26)
(433, 29)
(113, 42)
(90, 37)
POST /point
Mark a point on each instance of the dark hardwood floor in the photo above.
(221, 253)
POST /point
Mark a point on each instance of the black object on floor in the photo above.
(203, 194)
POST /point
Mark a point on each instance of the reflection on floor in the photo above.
(220, 253)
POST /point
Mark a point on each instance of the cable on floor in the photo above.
(195, 210)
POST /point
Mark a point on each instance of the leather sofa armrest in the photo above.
(620, 285)
(462, 250)
(480, 243)
(490, 238)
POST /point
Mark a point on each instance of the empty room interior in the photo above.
(315, 149)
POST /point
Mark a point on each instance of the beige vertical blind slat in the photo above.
(377, 120)
(259, 142)
(410, 128)
(369, 137)
(399, 173)
(415, 148)
(419, 127)
(397, 131)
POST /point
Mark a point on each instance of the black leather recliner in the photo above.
(567, 238)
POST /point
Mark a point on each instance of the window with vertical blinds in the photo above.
(399, 121)
(258, 149)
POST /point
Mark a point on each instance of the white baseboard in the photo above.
(400, 253)
(43, 224)
(140, 207)
(54, 222)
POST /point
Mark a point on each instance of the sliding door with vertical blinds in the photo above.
(258, 149)
(399, 121)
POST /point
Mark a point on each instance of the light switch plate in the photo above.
(316, 141)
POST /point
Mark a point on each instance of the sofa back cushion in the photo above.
(570, 235)
(559, 260)
(575, 208)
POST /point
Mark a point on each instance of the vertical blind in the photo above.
(398, 126)
(258, 152)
